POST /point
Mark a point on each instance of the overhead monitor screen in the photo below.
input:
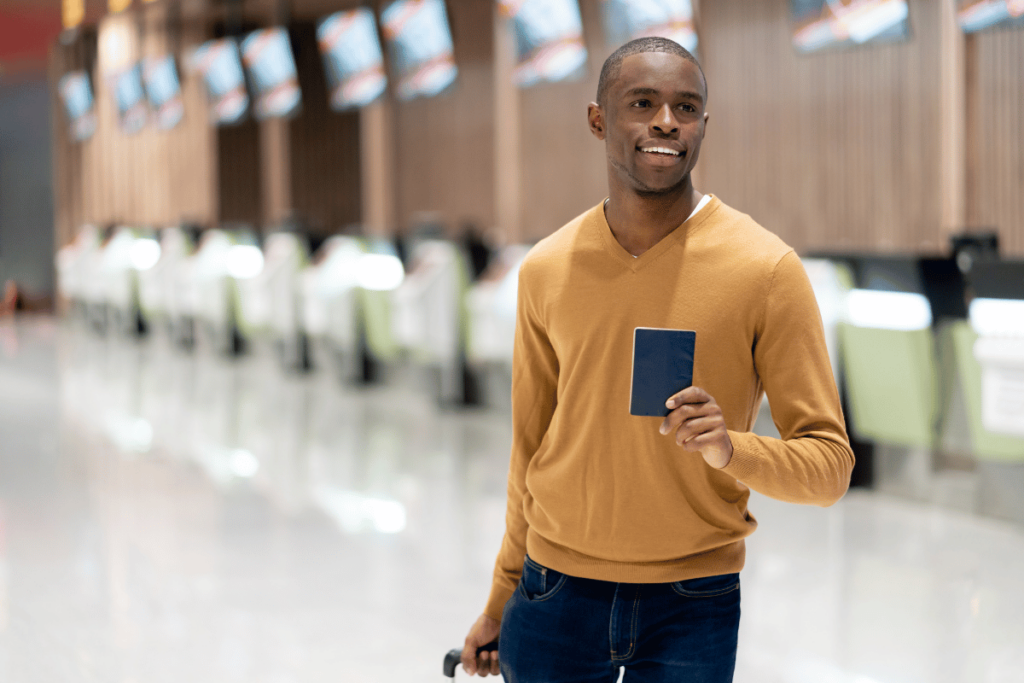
(625, 20)
(130, 98)
(975, 15)
(826, 24)
(164, 90)
(221, 67)
(549, 40)
(76, 93)
(420, 44)
(352, 58)
(267, 54)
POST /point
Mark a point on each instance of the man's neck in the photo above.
(638, 222)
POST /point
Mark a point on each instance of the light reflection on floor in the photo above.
(181, 518)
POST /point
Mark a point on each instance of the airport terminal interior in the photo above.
(260, 265)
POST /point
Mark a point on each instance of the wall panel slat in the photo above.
(995, 154)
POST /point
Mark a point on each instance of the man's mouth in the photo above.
(661, 151)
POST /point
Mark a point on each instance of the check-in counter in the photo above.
(222, 258)
(990, 364)
(346, 304)
(127, 253)
(429, 316)
(76, 265)
(271, 301)
(888, 354)
(330, 299)
(161, 287)
(491, 304)
(997, 316)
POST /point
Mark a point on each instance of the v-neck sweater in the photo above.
(598, 493)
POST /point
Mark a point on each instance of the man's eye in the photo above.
(641, 103)
(688, 107)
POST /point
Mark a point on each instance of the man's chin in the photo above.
(644, 190)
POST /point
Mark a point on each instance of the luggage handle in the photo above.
(452, 659)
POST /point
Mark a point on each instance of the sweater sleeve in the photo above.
(534, 389)
(812, 461)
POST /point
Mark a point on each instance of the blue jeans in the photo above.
(563, 629)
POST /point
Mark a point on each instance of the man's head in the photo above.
(613, 65)
(651, 115)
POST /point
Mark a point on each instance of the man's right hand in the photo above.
(484, 631)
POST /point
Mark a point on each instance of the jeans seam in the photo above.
(611, 623)
(632, 628)
(710, 594)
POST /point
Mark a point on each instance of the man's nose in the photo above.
(664, 122)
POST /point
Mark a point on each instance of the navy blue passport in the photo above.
(662, 366)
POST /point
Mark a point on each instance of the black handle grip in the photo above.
(452, 659)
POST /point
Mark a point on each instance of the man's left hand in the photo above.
(698, 424)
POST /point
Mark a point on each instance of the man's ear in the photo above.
(705, 130)
(595, 118)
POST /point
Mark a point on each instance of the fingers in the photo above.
(688, 411)
(693, 429)
(484, 664)
(688, 395)
(492, 666)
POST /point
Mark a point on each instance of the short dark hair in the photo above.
(613, 65)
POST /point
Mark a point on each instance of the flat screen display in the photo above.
(164, 90)
(352, 58)
(420, 45)
(76, 93)
(625, 20)
(220, 65)
(976, 15)
(267, 55)
(826, 24)
(549, 40)
(130, 98)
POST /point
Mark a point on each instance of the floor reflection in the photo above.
(168, 516)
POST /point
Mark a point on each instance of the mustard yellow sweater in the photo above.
(595, 492)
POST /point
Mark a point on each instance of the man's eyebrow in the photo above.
(682, 94)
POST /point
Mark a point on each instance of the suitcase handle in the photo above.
(452, 659)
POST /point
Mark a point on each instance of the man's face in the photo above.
(652, 122)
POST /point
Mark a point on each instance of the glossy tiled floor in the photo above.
(174, 518)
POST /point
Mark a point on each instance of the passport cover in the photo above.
(662, 366)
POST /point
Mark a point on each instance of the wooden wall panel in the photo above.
(564, 168)
(153, 177)
(444, 145)
(238, 174)
(835, 150)
(324, 155)
(67, 154)
(995, 136)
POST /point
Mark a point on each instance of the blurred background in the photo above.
(259, 263)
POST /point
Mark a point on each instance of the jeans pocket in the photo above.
(539, 583)
(707, 586)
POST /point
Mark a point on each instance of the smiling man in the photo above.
(624, 535)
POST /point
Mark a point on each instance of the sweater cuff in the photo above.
(496, 602)
(745, 455)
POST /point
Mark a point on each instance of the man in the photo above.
(624, 534)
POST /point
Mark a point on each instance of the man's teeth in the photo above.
(661, 150)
